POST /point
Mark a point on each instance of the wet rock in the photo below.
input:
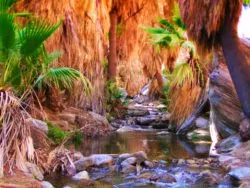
(137, 112)
(241, 173)
(160, 125)
(77, 156)
(128, 169)
(199, 135)
(83, 164)
(163, 133)
(147, 120)
(245, 129)
(46, 184)
(35, 171)
(167, 178)
(129, 161)
(140, 156)
(123, 156)
(148, 164)
(202, 148)
(202, 123)
(102, 160)
(41, 125)
(125, 129)
(146, 175)
(229, 144)
(81, 175)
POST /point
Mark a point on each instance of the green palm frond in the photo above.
(63, 78)
(7, 35)
(246, 2)
(34, 34)
(176, 18)
(5, 5)
(183, 73)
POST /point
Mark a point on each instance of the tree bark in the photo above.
(236, 57)
(112, 57)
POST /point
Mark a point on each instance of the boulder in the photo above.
(167, 178)
(83, 164)
(228, 144)
(128, 169)
(241, 173)
(140, 156)
(202, 123)
(147, 120)
(129, 161)
(81, 176)
(102, 160)
(125, 129)
(46, 184)
(225, 106)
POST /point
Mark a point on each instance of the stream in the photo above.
(171, 161)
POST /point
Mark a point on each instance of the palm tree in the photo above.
(212, 24)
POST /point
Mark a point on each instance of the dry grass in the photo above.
(205, 19)
(16, 144)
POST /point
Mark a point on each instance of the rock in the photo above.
(245, 129)
(167, 178)
(228, 144)
(224, 158)
(46, 184)
(77, 156)
(163, 133)
(83, 164)
(124, 156)
(128, 169)
(137, 112)
(140, 156)
(41, 125)
(241, 173)
(202, 148)
(102, 160)
(69, 117)
(81, 175)
(146, 175)
(129, 161)
(145, 121)
(160, 125)
(148, 164)
(145, 90)
(199, 135)
(35, 171)
(125, 129)
(202, 123)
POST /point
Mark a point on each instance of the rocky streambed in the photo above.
(142, 152)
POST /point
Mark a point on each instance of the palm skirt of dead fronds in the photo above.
(16, 143)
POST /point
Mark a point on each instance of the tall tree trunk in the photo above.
(112, 57)
(236, 58)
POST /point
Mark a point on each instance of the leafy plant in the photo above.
(24, 58)
(77, 138)
(56, 134)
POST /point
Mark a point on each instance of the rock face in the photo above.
(225, 106)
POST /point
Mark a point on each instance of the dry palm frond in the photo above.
(16, 144)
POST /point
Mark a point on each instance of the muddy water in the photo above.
(163, 148)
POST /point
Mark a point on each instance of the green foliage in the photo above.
(246, 2)
(114, 93)
(56, 134)
(170, 33)
(25, 63)
(77, 138)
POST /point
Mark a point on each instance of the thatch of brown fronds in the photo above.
(16, 144)
(205, 19)
(83, 40)
(138, 58)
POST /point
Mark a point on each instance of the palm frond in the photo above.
(183, 73)
(34, 34)
(5, 5)
(7, 35)
(63, 78)
(246, 2)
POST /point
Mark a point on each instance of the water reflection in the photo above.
(157, 147)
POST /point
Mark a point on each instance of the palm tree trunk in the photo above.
(112, 57)
(239, 69)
